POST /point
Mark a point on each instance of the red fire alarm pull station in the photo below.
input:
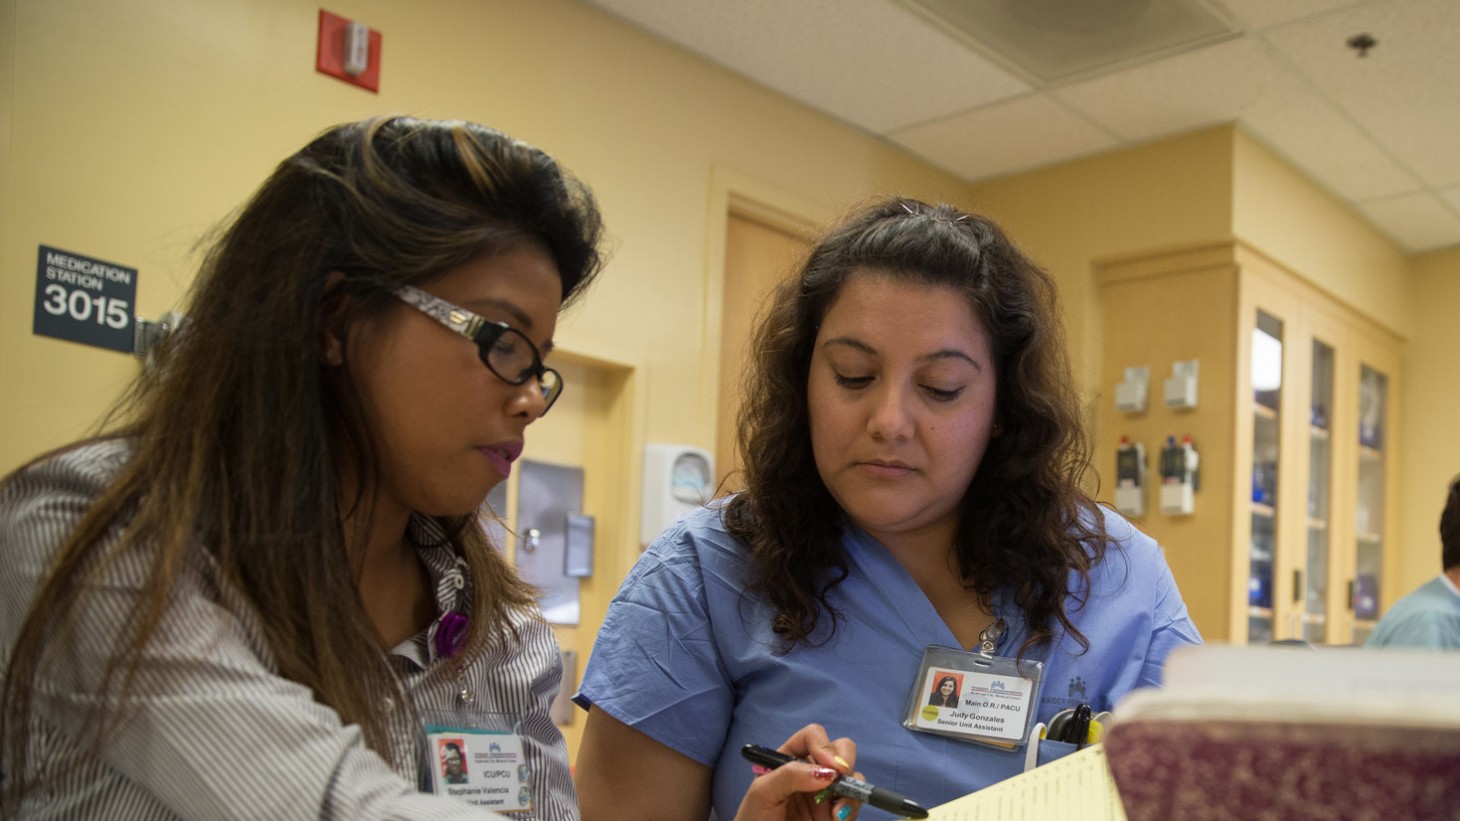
(348, 50)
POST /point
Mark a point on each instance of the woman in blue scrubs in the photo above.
(914, 450)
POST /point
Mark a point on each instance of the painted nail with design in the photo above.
(824, 773)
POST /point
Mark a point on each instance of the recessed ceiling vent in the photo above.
(1049, 41)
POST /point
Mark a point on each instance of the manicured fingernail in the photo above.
(824, 773)
(844, 812)
(841, 761)
(822, 796)
(759, 770)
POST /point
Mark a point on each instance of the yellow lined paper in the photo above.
(1078, 787)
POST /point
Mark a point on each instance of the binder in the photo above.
(1292, 733)
(1268, 732)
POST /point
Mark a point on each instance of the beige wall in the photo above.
(1431, 438)
(7, 121)
(1175, 192)
(1279, 210)
(141, 124)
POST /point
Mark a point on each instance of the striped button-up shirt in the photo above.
(213, 730)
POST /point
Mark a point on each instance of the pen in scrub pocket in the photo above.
(844, 786)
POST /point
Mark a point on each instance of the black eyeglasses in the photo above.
(503, 349)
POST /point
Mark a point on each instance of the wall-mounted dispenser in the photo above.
(1179, 463)
(1181, 385)
(677, 479)
(1130, 477)
(1130, 393)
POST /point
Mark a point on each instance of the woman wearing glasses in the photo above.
(262, 592)
(265, 593)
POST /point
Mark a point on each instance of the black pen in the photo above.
(844, 785)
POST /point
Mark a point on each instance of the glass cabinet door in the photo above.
(1320, 497)
(1369, 501)
(1267, 386)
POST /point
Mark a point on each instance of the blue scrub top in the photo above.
(1428, 617)
(686, 657)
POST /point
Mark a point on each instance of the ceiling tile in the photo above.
(1419, 222)
(1005, 137)
(1377, 130)
(1314, 136)
(1175, 94)
(1452, 196)
(870, 62)
(1406, 92)
(1259, 14)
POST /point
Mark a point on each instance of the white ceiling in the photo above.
(1381, 132)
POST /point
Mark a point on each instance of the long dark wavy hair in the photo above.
(1025, 523)
(241, 435)
(1450, 527)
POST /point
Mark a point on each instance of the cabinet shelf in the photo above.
(1319, 434)
(1263, 510)
(1369, 453)
(1262, 411)
(1317, 525)
(1259, 612)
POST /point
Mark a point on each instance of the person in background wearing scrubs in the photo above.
(914, 450)
(1429, 616)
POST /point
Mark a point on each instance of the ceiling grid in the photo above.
(1378, 131)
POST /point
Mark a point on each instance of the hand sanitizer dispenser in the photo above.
(1179, 474)
(1130, 477)
(677, 479)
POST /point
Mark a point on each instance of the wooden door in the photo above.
(757, 256)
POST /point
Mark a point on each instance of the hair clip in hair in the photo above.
(936, 214)
(450, 634)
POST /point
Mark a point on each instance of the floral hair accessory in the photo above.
(450, 634)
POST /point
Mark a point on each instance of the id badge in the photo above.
(974, 697)
(477, 759)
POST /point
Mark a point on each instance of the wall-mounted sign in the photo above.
(82, 299)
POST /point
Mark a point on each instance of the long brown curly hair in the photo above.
(1026, 524)
(240, 435)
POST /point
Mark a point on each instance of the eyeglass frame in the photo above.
(485, 334)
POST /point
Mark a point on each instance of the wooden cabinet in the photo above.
(1292, 531)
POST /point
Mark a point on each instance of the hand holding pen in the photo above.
(800, 789)
(838, 781)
